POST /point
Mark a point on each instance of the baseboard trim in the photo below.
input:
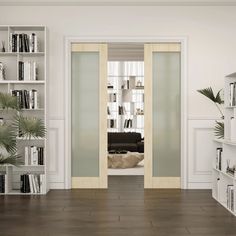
(57, 185)
(86, 182)
(199, 185)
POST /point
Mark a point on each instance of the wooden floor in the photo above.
(125, 209)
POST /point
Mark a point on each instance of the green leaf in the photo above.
(208, 92)
(219, 129)
(30, 127)
(10, 160)
(7, 101)
(218, 98)
(8, 138)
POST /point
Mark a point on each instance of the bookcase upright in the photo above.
(38, 58)
(224, 174)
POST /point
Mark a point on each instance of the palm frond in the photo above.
(30, 127)
(8, 138)
(219, 129)
(218, 98)
(10, 160)
(8, 102)
(208, 92)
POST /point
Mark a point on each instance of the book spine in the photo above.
(26, 155)
(10, 42)
(31, 184)
(35, 99)
(231, 95)
(31, 43)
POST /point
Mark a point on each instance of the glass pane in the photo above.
(166, 114)
(85, 114)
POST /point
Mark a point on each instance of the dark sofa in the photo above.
(129, 141)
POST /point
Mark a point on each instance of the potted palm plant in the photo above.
(218, 101)
(14, 127)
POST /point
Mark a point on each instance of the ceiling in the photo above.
(121, 2)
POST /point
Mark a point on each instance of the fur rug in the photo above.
(122, 161)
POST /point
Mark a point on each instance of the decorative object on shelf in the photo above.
(218, 101)
(232, 129)
(3, 49)
(139, 111)
(2, 71)
(139, 83)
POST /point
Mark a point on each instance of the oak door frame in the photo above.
(184, 90)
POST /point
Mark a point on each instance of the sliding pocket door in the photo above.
(162, 115)
(88, 115)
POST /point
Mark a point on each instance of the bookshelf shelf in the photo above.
(224, 184)
(22, 82)
(225, 174)
(25, 65)
(228, 142)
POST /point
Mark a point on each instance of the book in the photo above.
(25, 183)
(2, 183)
(27, 156)
(42, 184)
(218, 158)
(232, 94)
(34, 155)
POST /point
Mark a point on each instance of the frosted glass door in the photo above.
(166, 114)
(162, 134)
(88, 116)
(85, 114)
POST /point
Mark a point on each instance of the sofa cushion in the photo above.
(123, 137)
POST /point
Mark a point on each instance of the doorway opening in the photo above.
(125, 109)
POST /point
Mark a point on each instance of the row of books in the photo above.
(32, 183)
(219, 158)
(26, 99)
(112, 97)
(2, 183)
(128, 123)
(230, 197)
(34, 155)
(232, 94)
(23, 42)
(27, 70)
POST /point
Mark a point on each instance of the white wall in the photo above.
(211, 38)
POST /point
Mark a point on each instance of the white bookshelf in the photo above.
(221, 178)
(129, 96)
(11, 62)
